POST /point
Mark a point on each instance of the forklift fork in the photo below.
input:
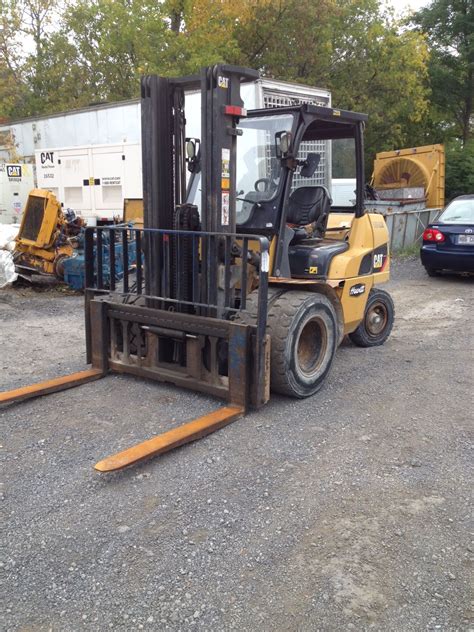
(50, 386)
(171, 439)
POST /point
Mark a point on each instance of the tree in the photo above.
(12, 87)
(370, 63)
(449, 27)
(380, 69)
(123, 39)
(459, 169)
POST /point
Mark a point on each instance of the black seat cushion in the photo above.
(311, 258)
(306, 204)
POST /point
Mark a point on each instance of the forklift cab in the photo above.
(292, 203)
(283, 187)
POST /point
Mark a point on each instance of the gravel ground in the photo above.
(348, 510)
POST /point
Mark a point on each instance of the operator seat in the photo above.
(308, 205)
(311, 256)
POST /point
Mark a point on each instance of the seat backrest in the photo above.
(308, 205)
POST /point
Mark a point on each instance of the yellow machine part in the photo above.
(133, 211)
(366, 263)
(414, 167)
(42, 218)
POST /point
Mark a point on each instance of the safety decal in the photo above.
(225, 208)
(225, 163)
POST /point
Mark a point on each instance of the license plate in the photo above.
(466, 239)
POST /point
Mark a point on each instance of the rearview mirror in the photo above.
(193, 153)
(191, 149)
(310, 165)
(282, 144)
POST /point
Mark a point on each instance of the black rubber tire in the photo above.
(363, 336)
(431, 272)
(288, 314)
(304, 332)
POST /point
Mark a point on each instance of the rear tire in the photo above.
(304, 330)
(431, 272)
(378, 320)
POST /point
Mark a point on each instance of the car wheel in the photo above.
(378, 320)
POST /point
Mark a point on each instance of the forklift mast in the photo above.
(163, 146)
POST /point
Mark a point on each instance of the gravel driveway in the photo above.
(346, 511)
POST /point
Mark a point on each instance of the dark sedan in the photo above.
(448, 243)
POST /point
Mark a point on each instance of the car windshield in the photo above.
(458, 212)
(258, 168)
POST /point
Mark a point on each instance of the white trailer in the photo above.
(16, 181)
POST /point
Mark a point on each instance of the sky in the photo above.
(402, 6)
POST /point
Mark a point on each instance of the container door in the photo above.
(132, 172)
(76, 180)
(108, 170)
(48, 171)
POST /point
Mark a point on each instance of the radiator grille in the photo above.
(34, 215)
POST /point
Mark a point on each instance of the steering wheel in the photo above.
(266, 181)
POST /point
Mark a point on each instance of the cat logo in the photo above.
(223, 82)
(378, 261)
(47, 156)
(14, 171)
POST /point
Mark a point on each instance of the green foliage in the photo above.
(408, 252)
(449, 27)
(459, 169)
(415, 83)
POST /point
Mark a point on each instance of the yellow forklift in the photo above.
(247, 275)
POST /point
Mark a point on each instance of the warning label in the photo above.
(225, 214)
(226, 163)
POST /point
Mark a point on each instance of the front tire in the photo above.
(378, 320)
(304, 331)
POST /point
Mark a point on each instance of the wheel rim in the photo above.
(376, 319)
(312, 346)
(58, 266)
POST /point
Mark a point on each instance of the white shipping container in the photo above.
(16, 181)
(92, 180)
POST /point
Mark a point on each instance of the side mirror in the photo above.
(192, 153)
(310, 165)
(282, 144)
(191, 149)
